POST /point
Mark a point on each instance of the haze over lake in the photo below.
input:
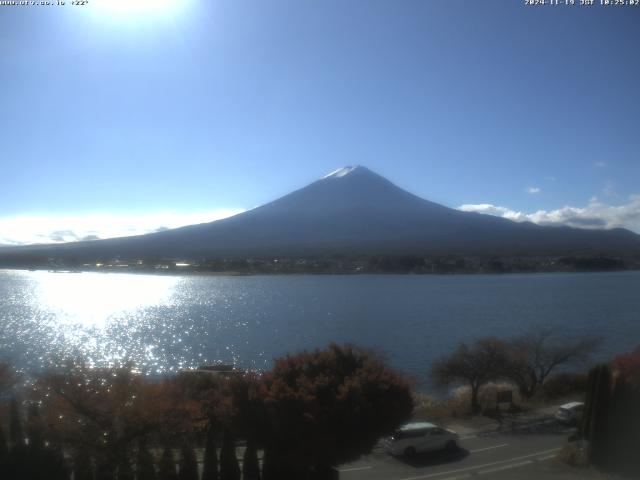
(164, 323)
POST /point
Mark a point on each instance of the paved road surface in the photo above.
(525, 454)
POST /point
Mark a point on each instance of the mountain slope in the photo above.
(355, 211)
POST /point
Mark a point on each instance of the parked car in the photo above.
(570, 413)
(420, 437)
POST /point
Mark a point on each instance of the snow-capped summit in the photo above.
(341, 172)
(352, 211)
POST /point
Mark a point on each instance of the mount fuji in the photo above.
(351, 211)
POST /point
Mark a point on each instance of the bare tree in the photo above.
(534, 355)
(485, 360)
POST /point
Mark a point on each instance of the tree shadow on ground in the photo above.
(548, 427)
(430, 459)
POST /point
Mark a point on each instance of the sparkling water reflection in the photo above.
(92, 299)
(164, 323)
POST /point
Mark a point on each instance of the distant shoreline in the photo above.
(331, 264)
(231, 273)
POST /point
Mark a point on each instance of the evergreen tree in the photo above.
(17, 464)
(587, 413)
(269, 468)
(145, 468)
(82, 465)
(34, 428)
(105, 468)
(4, 447)
(188, 463)
(167, 467)
(24, 463)
(124, 468)
(275, 468)
(595, 422)
(250, 465)
(624, 417)
(210, 469)
(54, 464)
(229, 468)
(4, 454)
(15, 425)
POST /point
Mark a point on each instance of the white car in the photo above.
(570, 413)
(420, 437)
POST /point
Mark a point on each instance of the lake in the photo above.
(164, 323)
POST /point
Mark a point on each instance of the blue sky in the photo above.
(181, 111)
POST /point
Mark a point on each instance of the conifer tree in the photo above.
(595, 424)
(82, 465)
(167, 467)
(4, 447)
(188, 463)
(587, 413)
(229, 468)
(624, 416)
(4, 454)
(124, 468)
(269, 468)
(34, 428)
(105, 468)
(250, 465)
(54, 466)
(145, 469)
(16, 433)
(210, 469)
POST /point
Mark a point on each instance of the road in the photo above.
(524, 454)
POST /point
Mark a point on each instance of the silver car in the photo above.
(420, 437)
(570, 413)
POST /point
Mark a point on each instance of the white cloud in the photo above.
(594, 215)
(29, 229)
(599, 164)
(495, 210)
(533, 190)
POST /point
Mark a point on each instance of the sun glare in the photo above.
(129, 8)
(91, 299)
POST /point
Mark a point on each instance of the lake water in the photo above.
(164, 323)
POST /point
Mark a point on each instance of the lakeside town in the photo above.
(338, 264)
